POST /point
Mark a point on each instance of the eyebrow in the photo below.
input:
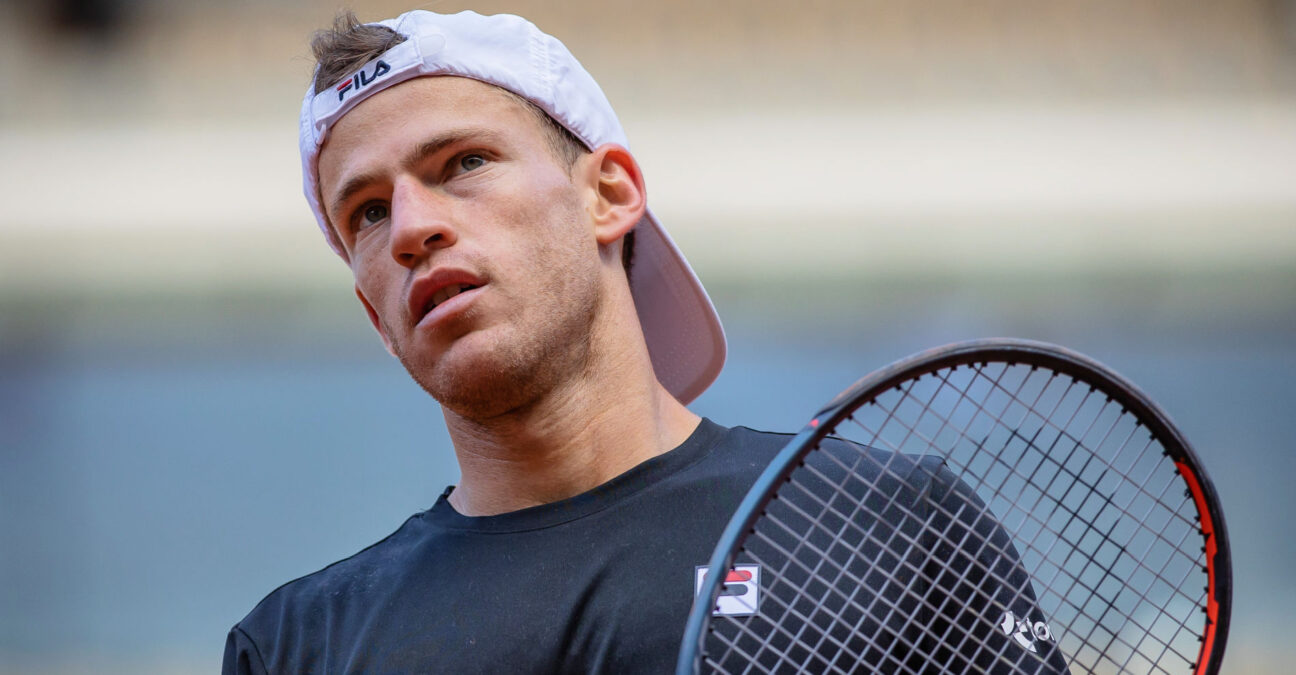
(419, 153)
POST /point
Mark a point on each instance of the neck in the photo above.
(542, 457)
(577, 435)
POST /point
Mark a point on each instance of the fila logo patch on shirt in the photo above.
(740, 595)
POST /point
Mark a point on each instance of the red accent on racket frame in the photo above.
(1208, 529)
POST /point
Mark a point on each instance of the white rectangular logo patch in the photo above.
(740, 594)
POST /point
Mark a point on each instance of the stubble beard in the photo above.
(524, 361)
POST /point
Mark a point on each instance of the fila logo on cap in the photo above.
(740, 594)
(360, 80)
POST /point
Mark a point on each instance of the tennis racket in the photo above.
(998, 506)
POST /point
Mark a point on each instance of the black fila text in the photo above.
(360, 80)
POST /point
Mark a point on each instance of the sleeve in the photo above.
(241, 655)
(985, 614)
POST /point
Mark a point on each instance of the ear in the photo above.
(373, 319)
(617, 190)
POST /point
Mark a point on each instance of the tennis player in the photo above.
(477, 182)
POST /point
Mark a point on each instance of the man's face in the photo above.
(470, 243)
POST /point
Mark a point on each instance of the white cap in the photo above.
(680, 325)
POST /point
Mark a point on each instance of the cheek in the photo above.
(382, 295)
(551, 217)
(553, 246)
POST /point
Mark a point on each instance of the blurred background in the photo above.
(193, 408)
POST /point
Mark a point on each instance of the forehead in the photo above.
(410, 111)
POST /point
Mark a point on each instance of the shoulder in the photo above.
(302, 610)
(754, 443)
(734, 453)
(352, 574)
(748, 452)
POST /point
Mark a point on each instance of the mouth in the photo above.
(445, 294)
(436, 295)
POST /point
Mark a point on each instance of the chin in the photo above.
(482, 394)
(501, 368)
(481, 383)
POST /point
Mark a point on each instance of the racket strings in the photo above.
(997, 458)
(1108, 547)
(826, 557)
(1077, 476)
(1080, 481)
(806, 621)
(789, 557)
(823, 557)
(919, 572)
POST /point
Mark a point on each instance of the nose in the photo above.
(421, 222)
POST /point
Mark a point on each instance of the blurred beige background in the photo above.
(908, 136)
(1107, 174)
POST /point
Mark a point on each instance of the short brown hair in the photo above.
(349, 44)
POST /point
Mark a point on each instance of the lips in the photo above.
(445, 294)
(438, 288)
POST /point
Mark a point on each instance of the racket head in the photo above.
(1118, 489)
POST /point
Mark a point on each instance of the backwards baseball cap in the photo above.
(683, 331)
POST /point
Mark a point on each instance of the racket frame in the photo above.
(1011, 351)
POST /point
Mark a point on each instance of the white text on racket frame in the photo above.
(1025, 632)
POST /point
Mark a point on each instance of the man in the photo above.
(477, 182)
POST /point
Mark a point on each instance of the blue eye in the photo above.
(471, 162)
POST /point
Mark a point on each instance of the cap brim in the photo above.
(680, 324)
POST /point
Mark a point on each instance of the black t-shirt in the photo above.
(598, 583)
